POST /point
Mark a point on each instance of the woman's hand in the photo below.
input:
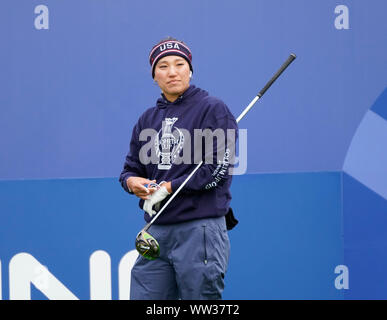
(137, 186)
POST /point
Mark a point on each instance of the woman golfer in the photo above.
(185, 126)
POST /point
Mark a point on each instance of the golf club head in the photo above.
(147, 246)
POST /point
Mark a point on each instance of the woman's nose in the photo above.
(172, 70)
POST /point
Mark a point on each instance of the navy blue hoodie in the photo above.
(154, 154)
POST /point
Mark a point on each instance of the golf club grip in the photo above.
(279, 72)
(267, 86)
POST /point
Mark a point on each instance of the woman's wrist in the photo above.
(168, 186)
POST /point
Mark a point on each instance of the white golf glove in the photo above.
(155, 199)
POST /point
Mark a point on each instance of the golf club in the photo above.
(146, 244)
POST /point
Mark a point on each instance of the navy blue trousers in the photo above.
(192, 264)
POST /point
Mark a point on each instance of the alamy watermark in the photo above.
(342, 18)
(342, 280)
(171, 145)
(41, 21)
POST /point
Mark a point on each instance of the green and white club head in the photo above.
(147, 246)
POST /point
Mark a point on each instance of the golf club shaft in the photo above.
(251, 104)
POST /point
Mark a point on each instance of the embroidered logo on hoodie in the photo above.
(170, 143)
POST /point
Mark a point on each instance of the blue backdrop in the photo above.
(75, 77)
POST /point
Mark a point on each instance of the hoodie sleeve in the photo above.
(218, 159)
(132, 166)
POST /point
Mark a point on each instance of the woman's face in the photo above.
(172, 74)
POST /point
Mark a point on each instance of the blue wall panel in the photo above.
(365, 243)
(289, 239)
(71, 94)
(62, 222)
(286, 245)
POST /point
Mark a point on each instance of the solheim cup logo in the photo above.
(169, 144)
